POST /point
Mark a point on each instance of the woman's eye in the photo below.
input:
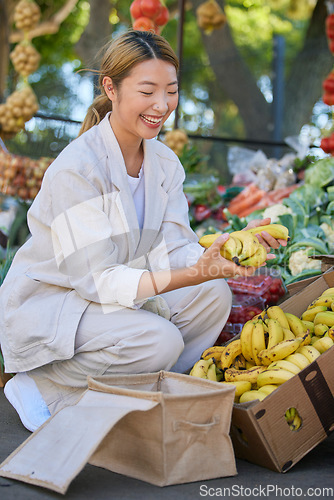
(173, 93)
(147, 93)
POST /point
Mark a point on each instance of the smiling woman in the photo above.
(113, 279)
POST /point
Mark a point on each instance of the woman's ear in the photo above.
(108, 87)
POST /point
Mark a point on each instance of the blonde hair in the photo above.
(120, 56)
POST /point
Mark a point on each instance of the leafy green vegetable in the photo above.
(321, 173)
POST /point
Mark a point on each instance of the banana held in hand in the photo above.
(250, 245)
(277, 231)
(257, 259)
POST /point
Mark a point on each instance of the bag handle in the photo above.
(182, 425)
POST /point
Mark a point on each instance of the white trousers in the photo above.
(137, 341)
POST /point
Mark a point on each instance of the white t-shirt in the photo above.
(137, 187)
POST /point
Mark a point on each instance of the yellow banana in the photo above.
(320, 329)
(211, 374)
(228, 250)
(201, 367)
(276, 377)
(310, 314)
(257, 259)
(279, 351)
(250, 375)
(323, 343)
(309, 351)
(286, 365)
(330, 333)
(288, 334)
(251, 396)
(275, 332)
(213, 352)
(268, 389)
(241, 386)
(323, 300)
(329, 291)
(233, 246)
(207, 240)
(290, 414)
(249, 245)
(326, 318)
(277, 231)
(309, 325)
(239, 362)
(296, 423)
(296, 325)
(231, 351)
(298, 359)
(246, 340)
(258, 341)
(276, 312)
(293, 419)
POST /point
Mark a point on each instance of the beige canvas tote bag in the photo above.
(163, 428)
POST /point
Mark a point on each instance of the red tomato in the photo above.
(143, 24)
(328, 99)
(162, 17)
(330, 21)
(135, 9)
(328, 84)
(325, 145)
(150, 8)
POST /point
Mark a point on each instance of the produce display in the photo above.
(271, 348)
(149, 15)
(176, 140)
(243, 247)
(21, 176)
(22, 104)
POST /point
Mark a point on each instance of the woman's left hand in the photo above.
(265, 238)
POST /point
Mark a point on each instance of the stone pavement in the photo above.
(312, 477)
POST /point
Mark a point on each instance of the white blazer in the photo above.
(86, 244)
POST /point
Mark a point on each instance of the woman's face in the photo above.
(144, 101)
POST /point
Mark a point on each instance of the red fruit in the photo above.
(135, 9)
(330, 21)
(331, 46)
(143, 24)
(163, 16)
(328, 84)
(328, 99)
(151, 8)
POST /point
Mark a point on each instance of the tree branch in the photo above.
(48, 27)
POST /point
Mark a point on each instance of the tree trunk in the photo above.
(237, 81)
(310, 68)
(96, 34)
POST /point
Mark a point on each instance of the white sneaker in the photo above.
(23, 394)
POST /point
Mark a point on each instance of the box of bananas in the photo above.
(280, 365)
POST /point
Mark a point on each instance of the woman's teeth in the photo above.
(151, 119)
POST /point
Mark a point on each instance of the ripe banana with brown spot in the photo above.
(200, 368)
(213, 352)
(250, 375)
(286, 365)
(298, 359)
(320, 329)
(231, 351)
(309, 351)
(279, 351)
(296, 325)
(241, 386)
(325, 318)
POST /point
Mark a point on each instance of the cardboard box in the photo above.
(259, 431)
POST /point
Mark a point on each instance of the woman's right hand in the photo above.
(212, 265)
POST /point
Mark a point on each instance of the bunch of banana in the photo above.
(272, 348)
(243, 247)
(293, 418)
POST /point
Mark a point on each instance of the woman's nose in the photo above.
(161, 105)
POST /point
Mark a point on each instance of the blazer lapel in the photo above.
(156, 198)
